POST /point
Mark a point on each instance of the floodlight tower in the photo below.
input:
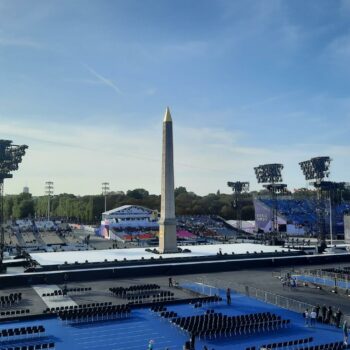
(49, 193)
(317, 169)
(10, 157)
(238, 188)
(271, 176)
(105, 190)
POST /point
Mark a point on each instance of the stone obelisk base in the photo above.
(167, 236)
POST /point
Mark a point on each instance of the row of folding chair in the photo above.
(213, 324)
(327, 346)
(98, 313)
(244, 329)
(17, 312)
(42, 346)
(287, 344)
(136, 288)
(30, 331)
(11, 299)
(75, 307)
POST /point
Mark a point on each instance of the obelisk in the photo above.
(167, 222)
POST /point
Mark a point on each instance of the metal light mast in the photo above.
(271, 175)
(105, 190)
(49, 193)
(238, 188)
(317, 169)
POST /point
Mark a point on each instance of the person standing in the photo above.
(150, 345)
(307, 317)
(317, 312)
(345, 332)
(228, 296)
(337, 318)
(170, 282)
(324, 313)
(193, 341)
(313, 318)
(329, 315)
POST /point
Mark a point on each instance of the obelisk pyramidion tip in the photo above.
(167, 116)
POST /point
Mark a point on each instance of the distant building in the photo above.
(25, 189)
(127, 217)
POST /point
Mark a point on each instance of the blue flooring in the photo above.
(143, 325)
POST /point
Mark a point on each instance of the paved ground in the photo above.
(262, 279)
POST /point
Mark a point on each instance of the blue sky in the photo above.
(85, 84)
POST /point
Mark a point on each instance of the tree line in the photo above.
(88, 209)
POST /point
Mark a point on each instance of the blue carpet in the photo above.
(134, 333)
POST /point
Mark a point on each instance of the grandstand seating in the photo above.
(301, 212)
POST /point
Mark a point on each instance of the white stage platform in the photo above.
(59, 258)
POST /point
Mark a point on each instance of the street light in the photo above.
(10, 157)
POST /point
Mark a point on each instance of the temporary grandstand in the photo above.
(296, 217)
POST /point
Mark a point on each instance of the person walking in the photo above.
(228, 296)
(345, 332)
(150, 345)
(171, 282)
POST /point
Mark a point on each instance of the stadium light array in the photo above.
(316, 168)
(10, 158)
(238, 186)
(269, 173)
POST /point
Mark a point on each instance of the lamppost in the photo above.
(10, 157)
(49, 192)
(238, 188)
(105, 190)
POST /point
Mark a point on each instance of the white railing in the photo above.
(212, 286)
(339, 280)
